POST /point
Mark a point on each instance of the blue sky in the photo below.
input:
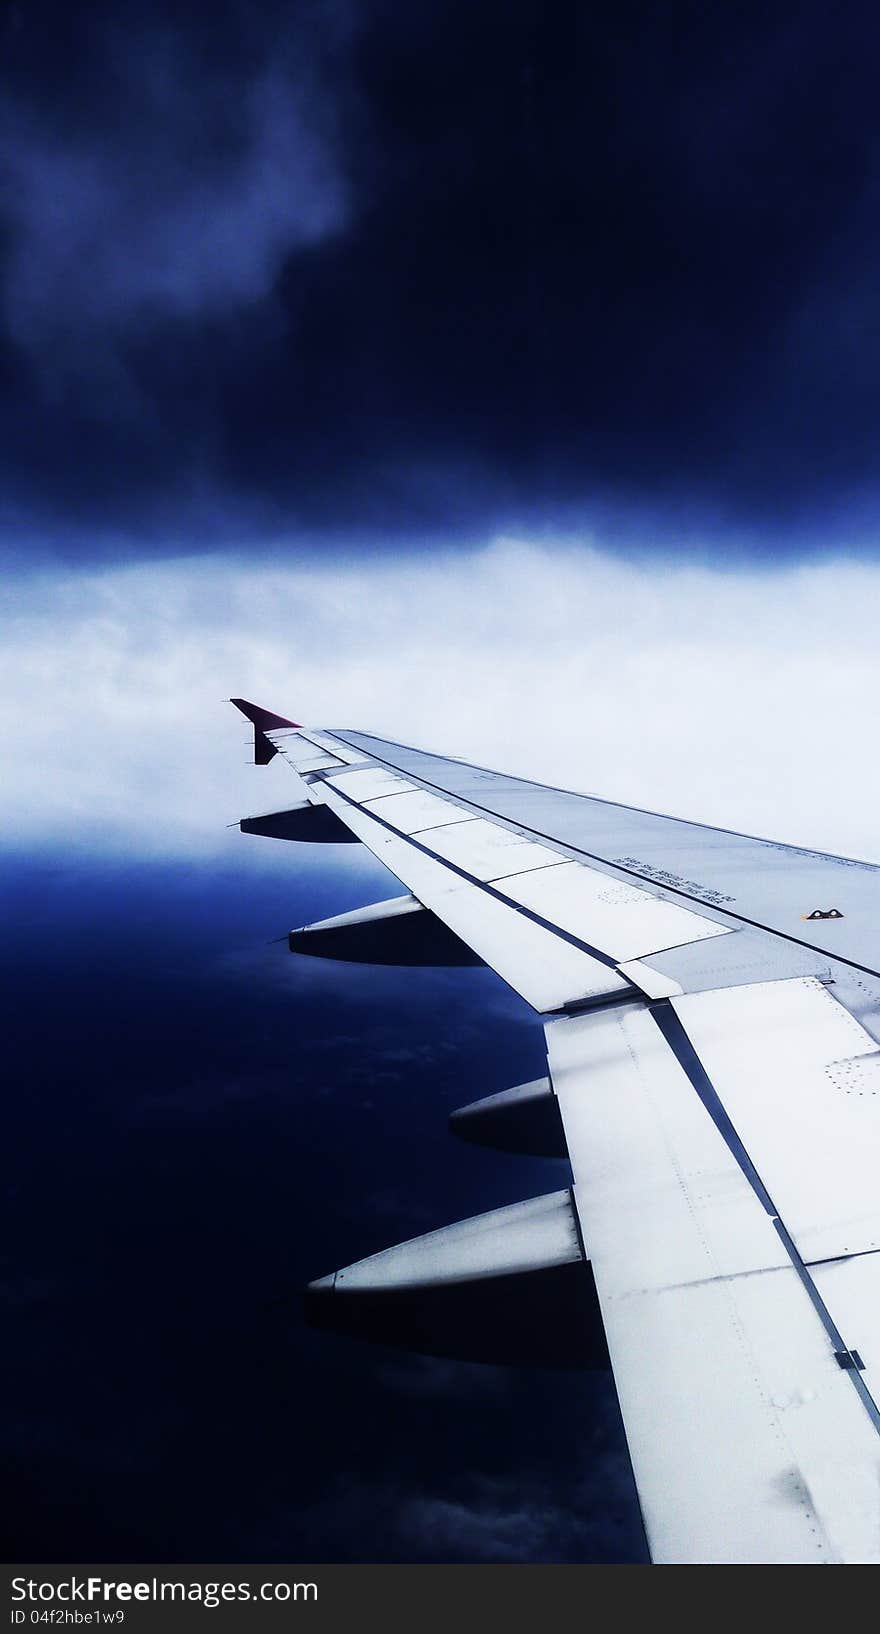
(501, 379)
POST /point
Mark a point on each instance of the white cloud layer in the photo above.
(741, 698)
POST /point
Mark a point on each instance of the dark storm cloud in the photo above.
(362, 269)
(104, 234)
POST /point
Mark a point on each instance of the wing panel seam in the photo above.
(643, 811)
(486, 888)
(676, 1035)
(633, 873)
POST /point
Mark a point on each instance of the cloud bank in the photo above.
(743, 699)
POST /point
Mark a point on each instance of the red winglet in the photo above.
(263, 719)
(263, 722)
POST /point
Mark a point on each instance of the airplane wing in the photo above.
(711, 1008)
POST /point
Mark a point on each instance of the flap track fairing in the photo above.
(511, 1287)
(398, 932)
(523, 1119)
(304, 821)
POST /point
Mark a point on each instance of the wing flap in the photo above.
(557, 947)
(732, 1393)
(370, 783)
(851, 1289)
(489, 852)
(794, 1071)
(546, 971)
(749, 1445)
(413, 811)
(627, 921)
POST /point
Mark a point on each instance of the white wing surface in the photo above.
(711, 1006)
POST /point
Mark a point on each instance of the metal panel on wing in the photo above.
(617, 917)
(547, 971)
(731, 1394)
(410, 813)
(487, 851)
(790, 1065)
(369, 783)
